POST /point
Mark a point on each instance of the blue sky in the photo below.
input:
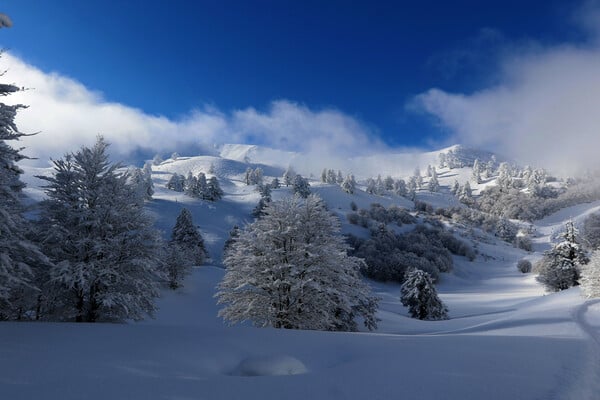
(367, 60)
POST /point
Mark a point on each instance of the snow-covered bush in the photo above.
(379, 214)
(389, 255)
(419, 295)
(289, 269)
(524, 266)
(523, 242)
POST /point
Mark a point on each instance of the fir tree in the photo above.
(301, 186)
(419, 295)
(400, 188)
(186, 249)
(290, 270)
(101, 240)
(349, 184)
(275, 184)
(476, 175)
(559, 268)
(17, 254)
(213, 190)
(434, 184)
(176, 183)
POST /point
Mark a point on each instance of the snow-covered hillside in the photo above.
(506, 337)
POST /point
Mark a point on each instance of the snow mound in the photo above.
(274, 365)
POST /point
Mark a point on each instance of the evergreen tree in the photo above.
(290, 270)
(105, 250)
(400, 188)
(233, 235)
(340, 177)
(412, 188)
(17, 254)
(371, 186)
(213, 190)
(590, 276)
(191, 184)
(419, 295)
(265, 191)
(275, 184)
(349, 184)
(331, 177)
(434, 184)
(324, 175)
(466, 194)
(176, 183)
(418, 178)
(476, 175)
(388, 183)
(455, 188)
(559, 268)
(301, 186)
(186, 249)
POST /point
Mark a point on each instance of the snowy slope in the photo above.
(505, 339)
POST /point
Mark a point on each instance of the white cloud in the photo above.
(544, 111)
(69, 115)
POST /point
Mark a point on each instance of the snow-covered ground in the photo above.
(505, 339)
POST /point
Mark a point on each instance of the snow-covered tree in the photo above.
(455, 190)
(400, 188)
(371, 186)
(290, 270)
(234, 233)
(301, 186)
(142, 182)
(324, 175)
(186, 249)
(504, 179)
(433, 185)
(174, 156)
(331, 177)
(388, 182)
(419, 295)
(101, 240)
(442, 160)
(213, 190)
(176, 183)
(418, 178)
(265, 191)
(288, 176)
(559, 268)
(339, 178)
(412, 188)
(275, 184)
(476, 175)
(379, 186)
(211, 169)
(590, 276)
(349, 184)
(17, 254)
(465, 194)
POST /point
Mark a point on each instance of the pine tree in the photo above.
(340, 177)
(349, 184)
(324, 175)
(301, 186)
(176, 183)
(559, 268)
(234, 233)
(476, 175)
(17, 254)
(434, 184)
(275, 184)
(419, 295)
(400, 188)
(213, 190)
(455, 188)
(290, 270)
(465, 194)
(371, 186)
(590, 276)
(101, 240)
(186, 249)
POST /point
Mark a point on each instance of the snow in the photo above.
(506, 337)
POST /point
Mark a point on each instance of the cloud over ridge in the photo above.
(543, 111)
(69, 115)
